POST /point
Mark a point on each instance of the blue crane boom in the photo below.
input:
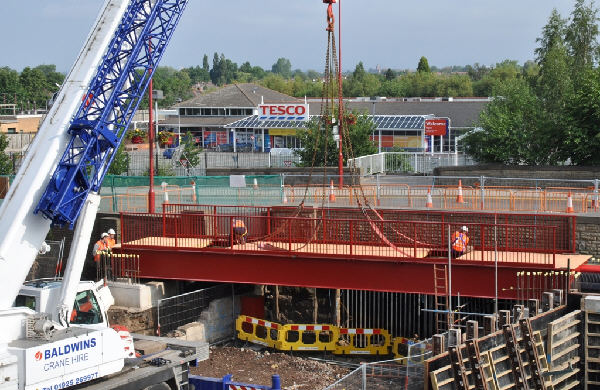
(99, 125)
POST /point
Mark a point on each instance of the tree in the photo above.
(175, 84)
(509, 132)
(6, 165)
(554, 80)
(191, 152)
(197, 74)
(390, 74)
(215, 72)
(313, 75)
(423, 66)
(477, 72)
(318, 143)
(120, 164)
(581, 35)
(246, 67)
(53, 78)
(258, 73)
(33, 83)
(552, 35)
(582, 138)
(9, 82)
(282, 67)
(205, 65)
(359, 73)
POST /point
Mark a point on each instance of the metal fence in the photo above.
(130, 193)
(118, 267)
(404, 162)
(340, 236)
(49, 264)
(442, 192)
(531, 195)
(175, 161)
(186, 308)
(398, 374)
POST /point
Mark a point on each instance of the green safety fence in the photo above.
(200, 181)
(129, 193)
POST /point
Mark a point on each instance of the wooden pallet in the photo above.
(592, 350)
(563, 350)
(495, 368)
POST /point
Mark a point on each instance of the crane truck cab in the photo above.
(89, 309)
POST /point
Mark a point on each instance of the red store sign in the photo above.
(283, 111)
(437, 126)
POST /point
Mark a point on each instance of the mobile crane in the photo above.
(58, 184)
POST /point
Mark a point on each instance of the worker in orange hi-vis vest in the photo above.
(111, 238)
(99, 246)
(239, 231)
(460, 242)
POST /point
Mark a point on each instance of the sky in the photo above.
(389, 33)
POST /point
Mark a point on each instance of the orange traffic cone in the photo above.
(331, 193)
(570, 204)
(429, 203)
(255, 184)
(459, 198)
(193, 183)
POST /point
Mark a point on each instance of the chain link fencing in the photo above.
(175, 161)
(398, 374)
(406, 162)
(216, 307)
(130, 193)
(48, 265)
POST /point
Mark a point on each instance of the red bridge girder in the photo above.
(335, 248)
(332, 272)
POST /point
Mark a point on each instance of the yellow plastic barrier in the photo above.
(361, 341)
(257, 331)
(308, 338)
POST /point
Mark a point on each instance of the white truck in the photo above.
(55, 334)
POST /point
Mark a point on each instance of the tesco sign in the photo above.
(289, 112)
(437, 126)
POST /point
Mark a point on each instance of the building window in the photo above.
(12, 130)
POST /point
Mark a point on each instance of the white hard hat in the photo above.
(464, 228)
(104, 235)
(111, 231)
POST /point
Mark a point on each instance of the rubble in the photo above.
(254, 367)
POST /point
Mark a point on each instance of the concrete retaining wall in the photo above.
(558, 173)
(215, 324)
(138, 296)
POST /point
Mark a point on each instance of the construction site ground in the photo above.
(252, 366)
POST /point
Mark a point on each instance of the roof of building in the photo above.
(461, 113)
(201, 121)
(238, 95)
(382, 122)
